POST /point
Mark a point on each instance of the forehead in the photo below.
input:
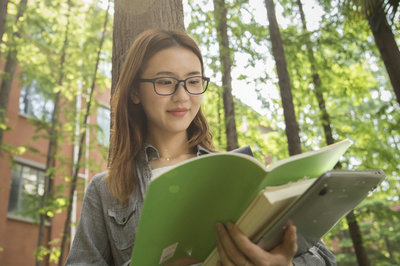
(179, 60)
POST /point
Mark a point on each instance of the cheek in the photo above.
(197, 101)
(149, 100)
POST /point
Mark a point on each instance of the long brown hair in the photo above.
(129, 120)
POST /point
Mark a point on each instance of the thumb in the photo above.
(290, 240)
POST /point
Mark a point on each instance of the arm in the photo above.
(91, 244)
(319, 254)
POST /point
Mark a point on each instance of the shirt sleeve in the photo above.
(317, 255)
(91, 244)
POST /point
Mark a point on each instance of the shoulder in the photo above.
(100, 177)
(98, 189)
(98, 182)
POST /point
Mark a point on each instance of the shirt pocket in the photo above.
(123, 226)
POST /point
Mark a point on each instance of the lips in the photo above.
(178, 111)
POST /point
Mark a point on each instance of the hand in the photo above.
(235, 248)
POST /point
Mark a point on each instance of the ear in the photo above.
(135, 98)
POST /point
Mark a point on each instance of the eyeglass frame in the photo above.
(207, 80)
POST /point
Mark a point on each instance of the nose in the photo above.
(180, 94)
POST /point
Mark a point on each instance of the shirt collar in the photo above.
(151, 152)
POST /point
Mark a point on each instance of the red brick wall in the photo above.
(19, 238)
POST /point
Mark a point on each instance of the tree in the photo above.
(11, 64)
(76, 167)
(326, 125)
(292, 127)
(318, 89)
(51, 151)
(345, 56)
(376, 13)
(133, 17)
(3, 17)
(226, 65)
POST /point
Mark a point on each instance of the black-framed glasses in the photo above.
(165, 86)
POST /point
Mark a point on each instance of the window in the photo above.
(27, 187)
(33, 102)
(105, 65)
(103, 121)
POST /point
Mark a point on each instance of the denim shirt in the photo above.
(106, 230)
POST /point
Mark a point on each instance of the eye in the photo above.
(194, 81)
(164, 81)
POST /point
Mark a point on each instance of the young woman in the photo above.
(158, 122)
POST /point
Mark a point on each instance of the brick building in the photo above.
(22, 176)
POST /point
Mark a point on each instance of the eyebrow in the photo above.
(172, 74)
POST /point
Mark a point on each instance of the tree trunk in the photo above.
(292, 128)
(81, 145)
(132, 17)
(5, 88)
(9, 69)
(3, 16)
(356, 236)
(354, 229)
(220, 103)
(226, 65)
(53, 135)
(387, 46)
(318, 90)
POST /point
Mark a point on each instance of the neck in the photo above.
(171, 146)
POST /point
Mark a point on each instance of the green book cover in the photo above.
(182, 205)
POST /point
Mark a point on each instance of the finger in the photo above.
(233, 254)
(288, 247)
(224, 260)
(253, 252)
(290, 241)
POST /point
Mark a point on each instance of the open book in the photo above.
(314, 206)
(182, 205)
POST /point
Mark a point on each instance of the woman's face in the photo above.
(171, 114)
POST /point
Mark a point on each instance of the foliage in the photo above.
(355, 87)
(39, 53)
(360, 112)
(53, 252)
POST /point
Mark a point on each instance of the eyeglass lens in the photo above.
(194, 85)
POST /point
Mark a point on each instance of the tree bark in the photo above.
(387, 46)
(226, 65)
(355, 233)
(354, 229)
(132, 17)
(3, 17)
(76, 167)
(53, 135)
(292, 127)
(9, 69)
(318, 90)
(5, 87)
